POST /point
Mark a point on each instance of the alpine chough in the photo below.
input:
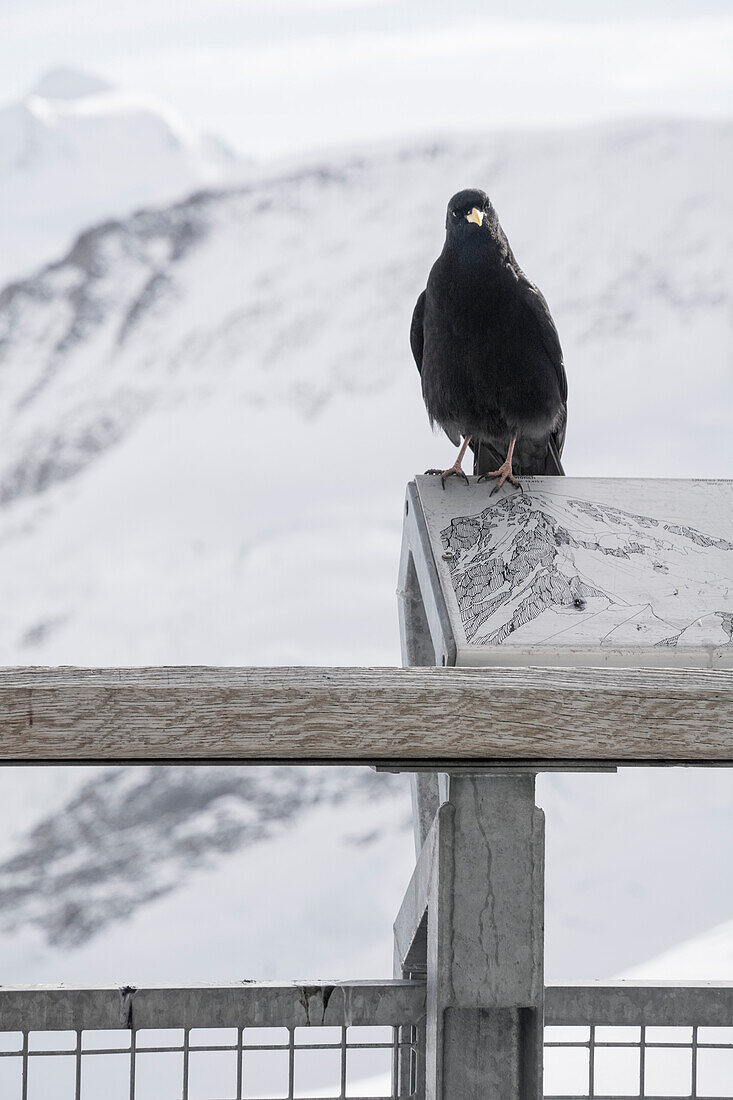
(488, 351)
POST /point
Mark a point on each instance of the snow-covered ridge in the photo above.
(298, 286)
(131, 835)
(65, 83)
(75, 149)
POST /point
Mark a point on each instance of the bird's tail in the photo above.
(486, 457)
(553, 465)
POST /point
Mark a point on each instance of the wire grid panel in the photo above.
(243, 1063)
(638, 1062)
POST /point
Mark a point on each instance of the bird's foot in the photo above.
(504, 473)
(455, 471)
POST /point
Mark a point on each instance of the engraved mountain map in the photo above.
(556, 568)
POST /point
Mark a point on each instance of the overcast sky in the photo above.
(273, 76)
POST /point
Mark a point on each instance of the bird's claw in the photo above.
(512, 480)
(455, 471)
(503, 474)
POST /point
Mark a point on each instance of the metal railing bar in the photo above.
(342, 1092)
(291, 1063)
(386, 1096)
(591, 1062)
(70, 1053)
(693, 1089)
(240, 1031)
(185, 1064)
(697, 1045)
(24, 1074)
(77, 1053)
(349, 1046)
(133, 1062)
(631, 1044)
(642, 1063)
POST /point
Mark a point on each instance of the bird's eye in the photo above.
(454, 213)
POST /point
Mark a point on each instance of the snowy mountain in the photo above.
(132, 834)
(194, 356)
(209, 413)
(271, 293)
(75, 150)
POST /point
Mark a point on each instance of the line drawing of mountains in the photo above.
(536, 568)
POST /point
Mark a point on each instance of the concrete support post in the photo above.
(479, 840)
(485, 980)
(425, 802)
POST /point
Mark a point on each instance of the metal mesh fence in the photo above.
(246, 1041)
(346, 1041)
(662, 1062)
(244, 1063)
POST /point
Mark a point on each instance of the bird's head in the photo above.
(468, 212)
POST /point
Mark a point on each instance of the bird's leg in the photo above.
(504, 473)
(456, 469)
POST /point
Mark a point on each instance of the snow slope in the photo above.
(708, 956)
(263, 330)
(178, 873)
(209, 413)
(75, 149)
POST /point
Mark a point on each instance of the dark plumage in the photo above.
(488, 352)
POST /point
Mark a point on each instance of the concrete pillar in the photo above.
(485, 980)
(481, 947)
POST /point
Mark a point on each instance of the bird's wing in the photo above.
(417, 341)
(537, 306)
(417, 336)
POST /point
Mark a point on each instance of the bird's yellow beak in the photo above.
(476, 216)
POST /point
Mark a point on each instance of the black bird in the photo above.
(488, 352)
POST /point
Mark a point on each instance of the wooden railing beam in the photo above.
(424, 716)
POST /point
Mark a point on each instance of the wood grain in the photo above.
(367, 715)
